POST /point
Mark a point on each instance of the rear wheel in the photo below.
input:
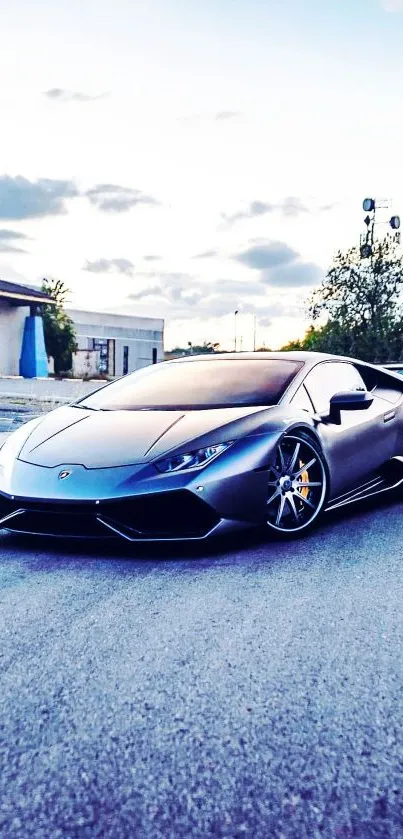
(297, 486)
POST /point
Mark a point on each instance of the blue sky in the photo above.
(185, 159)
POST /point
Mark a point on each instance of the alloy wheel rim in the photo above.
(296, 486)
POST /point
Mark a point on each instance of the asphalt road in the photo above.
(249, 689)
(11, 419)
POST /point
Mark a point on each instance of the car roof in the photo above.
(397, 365)
(308, 358)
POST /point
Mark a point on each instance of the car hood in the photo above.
(101, 439)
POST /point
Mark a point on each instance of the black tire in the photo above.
(297, 487)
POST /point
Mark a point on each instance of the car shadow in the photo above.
(246, 547)
(384, 501)
(119, 549)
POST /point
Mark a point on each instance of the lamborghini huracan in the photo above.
(201, 445)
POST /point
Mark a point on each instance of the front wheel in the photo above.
(297, 486)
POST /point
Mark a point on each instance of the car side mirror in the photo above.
(351, 400)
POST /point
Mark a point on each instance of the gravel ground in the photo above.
(25, 399)
(245, 689)
(46, 389)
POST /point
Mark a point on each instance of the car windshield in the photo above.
(218, 383)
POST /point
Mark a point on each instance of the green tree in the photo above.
(60, 336)
(296, 344)
(329, 338)
(362, 304)
(196, 349)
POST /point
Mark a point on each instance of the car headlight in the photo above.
(192, 460)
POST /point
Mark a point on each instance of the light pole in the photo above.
(235, 314)
(370, 206)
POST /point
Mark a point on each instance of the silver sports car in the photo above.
(207, 444)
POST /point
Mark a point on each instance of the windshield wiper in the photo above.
(84, 407)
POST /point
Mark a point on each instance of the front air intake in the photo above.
(164, 515)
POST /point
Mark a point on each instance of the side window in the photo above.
(302, 401)
(329, 378)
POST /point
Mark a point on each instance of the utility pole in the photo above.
(235, 341)
(254, 333)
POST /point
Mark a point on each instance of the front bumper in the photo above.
(137, 502)
(161, 516)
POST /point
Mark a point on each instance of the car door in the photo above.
(364, 440)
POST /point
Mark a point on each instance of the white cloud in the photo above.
(112, 198)
(8, 240)
(178, 294)
(222, 115)
(291, 207)
(22, 199)
(392, 5)
(267, 255)
(118, 265)
(59, 94)
(279, 265)
(293, 276)
(255, 143)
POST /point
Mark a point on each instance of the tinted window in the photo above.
(198, 384)
(330, 378)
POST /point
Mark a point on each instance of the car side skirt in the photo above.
(390, 479)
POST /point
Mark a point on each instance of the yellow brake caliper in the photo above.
(304, 478)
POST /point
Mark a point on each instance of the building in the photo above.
(22, 345)
(115, 344)
(123, 342)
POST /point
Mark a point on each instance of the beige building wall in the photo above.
(12, 322)
(139, 334)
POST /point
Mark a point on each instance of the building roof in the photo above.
(23, 294)
(83, 318)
